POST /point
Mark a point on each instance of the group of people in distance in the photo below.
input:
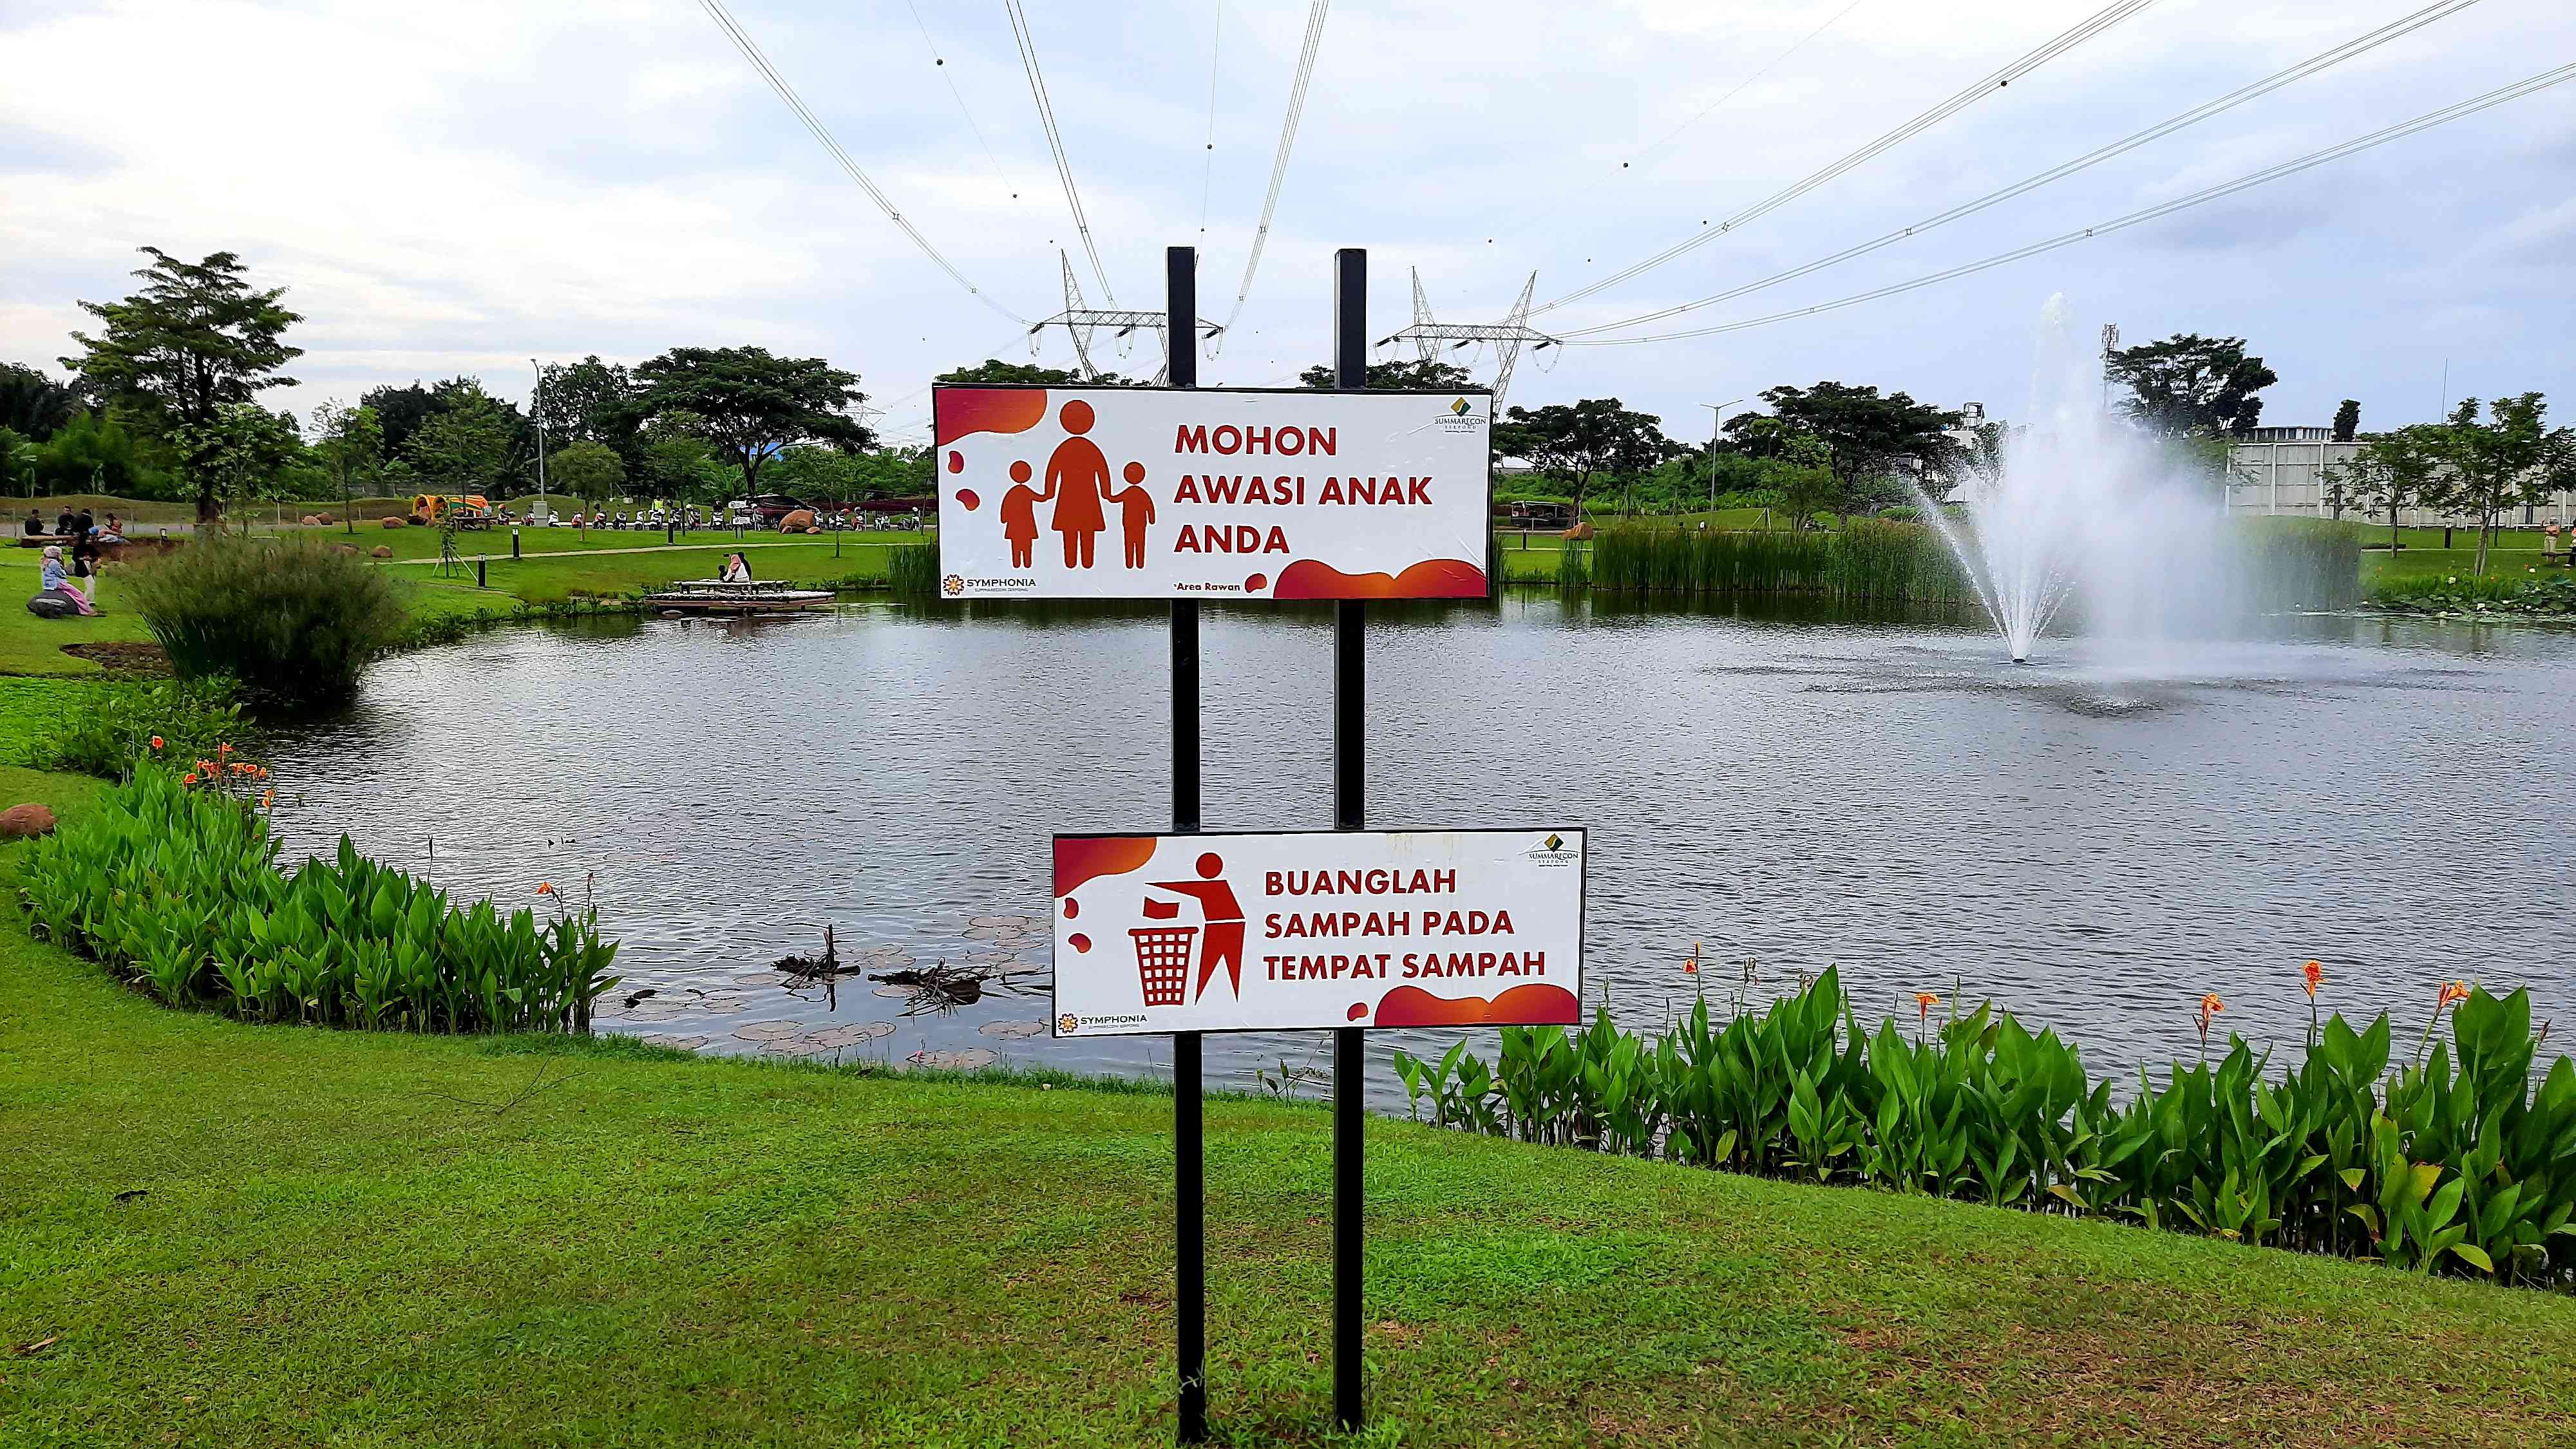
(69, 579)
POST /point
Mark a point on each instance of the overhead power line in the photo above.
(1055, 140)
(1576, 206)
(1207, 167)
(940, 62)
(2425, 122)
(2056, 46)
(2324, 60)
(1287, 142)
(742, 41)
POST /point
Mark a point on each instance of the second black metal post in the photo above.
(1189, 1177)
(1350, 812)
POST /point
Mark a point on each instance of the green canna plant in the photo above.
(178, 890)
(2454, 1162)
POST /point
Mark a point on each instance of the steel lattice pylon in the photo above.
(1508, 335)
(1080, 322)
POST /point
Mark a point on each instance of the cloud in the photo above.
(459, 187)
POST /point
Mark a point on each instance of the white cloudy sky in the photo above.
(457, 187)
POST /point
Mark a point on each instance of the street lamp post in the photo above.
(1716, 415)
(540, 410)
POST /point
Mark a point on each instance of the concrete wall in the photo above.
(2278, 477)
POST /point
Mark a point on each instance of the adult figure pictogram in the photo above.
(1221, 943)
(1076, 477)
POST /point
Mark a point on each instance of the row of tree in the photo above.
(162, 402)
(2478, 463)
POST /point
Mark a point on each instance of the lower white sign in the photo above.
(1288, 932)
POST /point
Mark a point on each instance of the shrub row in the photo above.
(176, 888)
(2452, 1161)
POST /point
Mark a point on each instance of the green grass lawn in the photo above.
(554, 577)
(29, 645)
(225, 1235)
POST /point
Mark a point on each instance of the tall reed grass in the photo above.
(2448, 1160)
(1871, 559)
(912, 569)
(2299, 563)
(297, 620)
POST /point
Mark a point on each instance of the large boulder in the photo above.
(310, 521)
(326, 517)
(800, 521)
(392, 522)
(51, 606)
(1579, 532)
(381, 551)
(351, 548)
(21, 822)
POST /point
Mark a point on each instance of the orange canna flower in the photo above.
(191, 778)
(156, 742)
(223, 749)
(2452, 993)
(1924, 1001)
(1690, 967)
(545, 888)
(268, 800)
(2313, 975)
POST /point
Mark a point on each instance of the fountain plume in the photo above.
(2078, 507)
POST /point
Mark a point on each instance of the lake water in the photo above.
(2090, 846)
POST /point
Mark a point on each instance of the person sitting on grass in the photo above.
(35, 524)
(57, 582)
(63, 524)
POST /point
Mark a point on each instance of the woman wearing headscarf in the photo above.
(57, 581)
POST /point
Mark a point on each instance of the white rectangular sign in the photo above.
(1189, 493)
(1157, 933)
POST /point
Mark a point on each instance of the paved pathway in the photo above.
(720, 542)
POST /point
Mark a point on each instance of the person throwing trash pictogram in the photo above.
(1221, 944)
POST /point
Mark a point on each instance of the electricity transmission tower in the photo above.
(1508, 335)
(1080, 321)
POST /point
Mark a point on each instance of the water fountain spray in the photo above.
(2077, 504)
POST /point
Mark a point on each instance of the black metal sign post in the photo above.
(1189, 1179)
(1350, 811)
(1350, 762)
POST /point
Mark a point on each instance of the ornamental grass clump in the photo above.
(294, 620)
(173, 884)
(2456, 1162)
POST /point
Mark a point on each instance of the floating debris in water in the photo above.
(1013, 1030)
(971, 1059)
(635, 997)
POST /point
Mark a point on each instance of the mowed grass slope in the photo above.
(223, 1235)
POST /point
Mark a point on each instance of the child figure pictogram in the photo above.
(1020, 517)
(1135, 511)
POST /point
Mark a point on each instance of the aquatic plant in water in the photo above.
(172, 882)
(2457, 1161)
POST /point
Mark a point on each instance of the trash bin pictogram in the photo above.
(1163, 962)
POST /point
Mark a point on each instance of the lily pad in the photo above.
(1013, 1030)
(680, 1043)
(768, 1030)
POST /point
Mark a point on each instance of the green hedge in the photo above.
(2452, 1160)
(176, 887)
